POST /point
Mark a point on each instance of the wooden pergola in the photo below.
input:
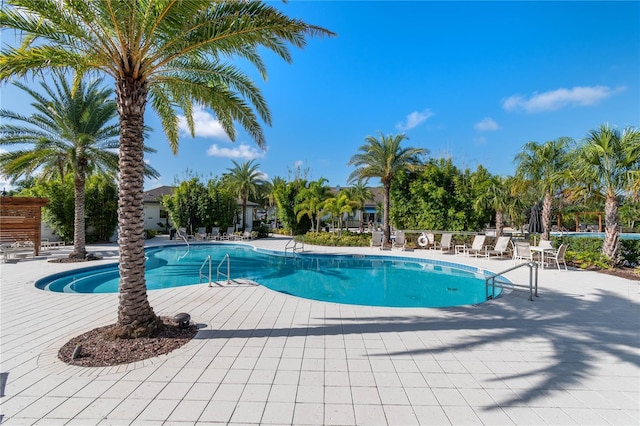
(20, 219)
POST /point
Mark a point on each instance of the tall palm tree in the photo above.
(384, 158)
(244, 180)
(542, 166)
(602, 166)
(277, 184)
(499, 197)
(70, 132)
(311, 202)
(360, 193)
(172, 53)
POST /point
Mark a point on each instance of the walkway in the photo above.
(570, 357)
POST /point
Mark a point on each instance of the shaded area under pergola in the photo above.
(20, 220)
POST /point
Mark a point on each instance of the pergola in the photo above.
(20, 219)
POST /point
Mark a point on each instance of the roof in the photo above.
(154, 195)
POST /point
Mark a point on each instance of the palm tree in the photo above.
(338, 206)
(311, 202)
(244, 180)
(271, 188)
(499, 197)
(173, 54)
(69, 133)
(384, 158)
(542, 166)
(360, 193)
(603, 167)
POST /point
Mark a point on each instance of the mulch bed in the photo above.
(98, 349)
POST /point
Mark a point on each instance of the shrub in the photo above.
(150, 233)
(347, 239)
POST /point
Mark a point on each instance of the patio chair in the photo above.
(444, 244)
(181, 234)
(477, 246)
(246, 235)
(522, 251)
(558, 256)
(501, 248)
(400, 240)
(376, 239)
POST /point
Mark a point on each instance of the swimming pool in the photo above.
(351, 279)
(622, 236)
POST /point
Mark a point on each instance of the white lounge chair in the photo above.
(501, 248)
(558, 256)
(202, 233)
(477, 247)
(376, 239)
(181, 234)
(444, 244)
(215, 233)
(229, 236)
(400, 240)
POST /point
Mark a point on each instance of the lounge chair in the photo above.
(376, 239)
(444, 244)
(202, 233)
(215, 233)
(477, 247)
(501, 248)
(246, 235)
(20, 249)
(400, 240)
(229, 236)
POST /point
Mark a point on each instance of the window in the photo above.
(163, 214)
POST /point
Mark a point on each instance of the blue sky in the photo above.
(473, 81)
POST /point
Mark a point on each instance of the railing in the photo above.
(228, 274)
(293, 247)
(206, 261)
(181, 235)
(490, 281)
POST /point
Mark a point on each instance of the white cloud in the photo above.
(298, 164)
(486, 125)
(414, 119)
(559, 98)
(204, 125)
(242, 151)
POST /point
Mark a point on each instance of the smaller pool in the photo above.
(622, 236)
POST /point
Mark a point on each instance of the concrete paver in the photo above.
(572, 356)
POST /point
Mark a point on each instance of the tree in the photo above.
(311, 201)
(174, 54)
(360, 193)
(69, 133)
(244, 180)
(384, 158)
(602, 167)
(499, 197)
(542, 166)
(338, 206)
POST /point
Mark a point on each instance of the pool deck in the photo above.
(572, 356)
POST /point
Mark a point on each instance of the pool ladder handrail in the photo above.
(490, 281)
(206, 261)
(228, 274)
(294, 248)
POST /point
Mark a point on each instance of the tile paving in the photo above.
(570, 357)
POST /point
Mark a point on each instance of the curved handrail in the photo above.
(228, 274)
(207, 260)
(294, 248)
(533, 281)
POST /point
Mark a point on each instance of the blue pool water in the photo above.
(353, 279)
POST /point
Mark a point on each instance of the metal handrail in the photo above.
(228, 274)
(207, 260)
(181, 235)
(532, 287)
(293, 248)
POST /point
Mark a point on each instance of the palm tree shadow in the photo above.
(572, 333)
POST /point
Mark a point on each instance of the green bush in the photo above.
(150, 233)
(347, 239)
(630, 252)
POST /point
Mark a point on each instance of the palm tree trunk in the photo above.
(546, 216)
(610, 247)
(135, 315)
(386, 227)
(244, 212)
(79, 248)
(499, 223)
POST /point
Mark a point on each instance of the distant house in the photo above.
(369, 212)
(155, 213)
